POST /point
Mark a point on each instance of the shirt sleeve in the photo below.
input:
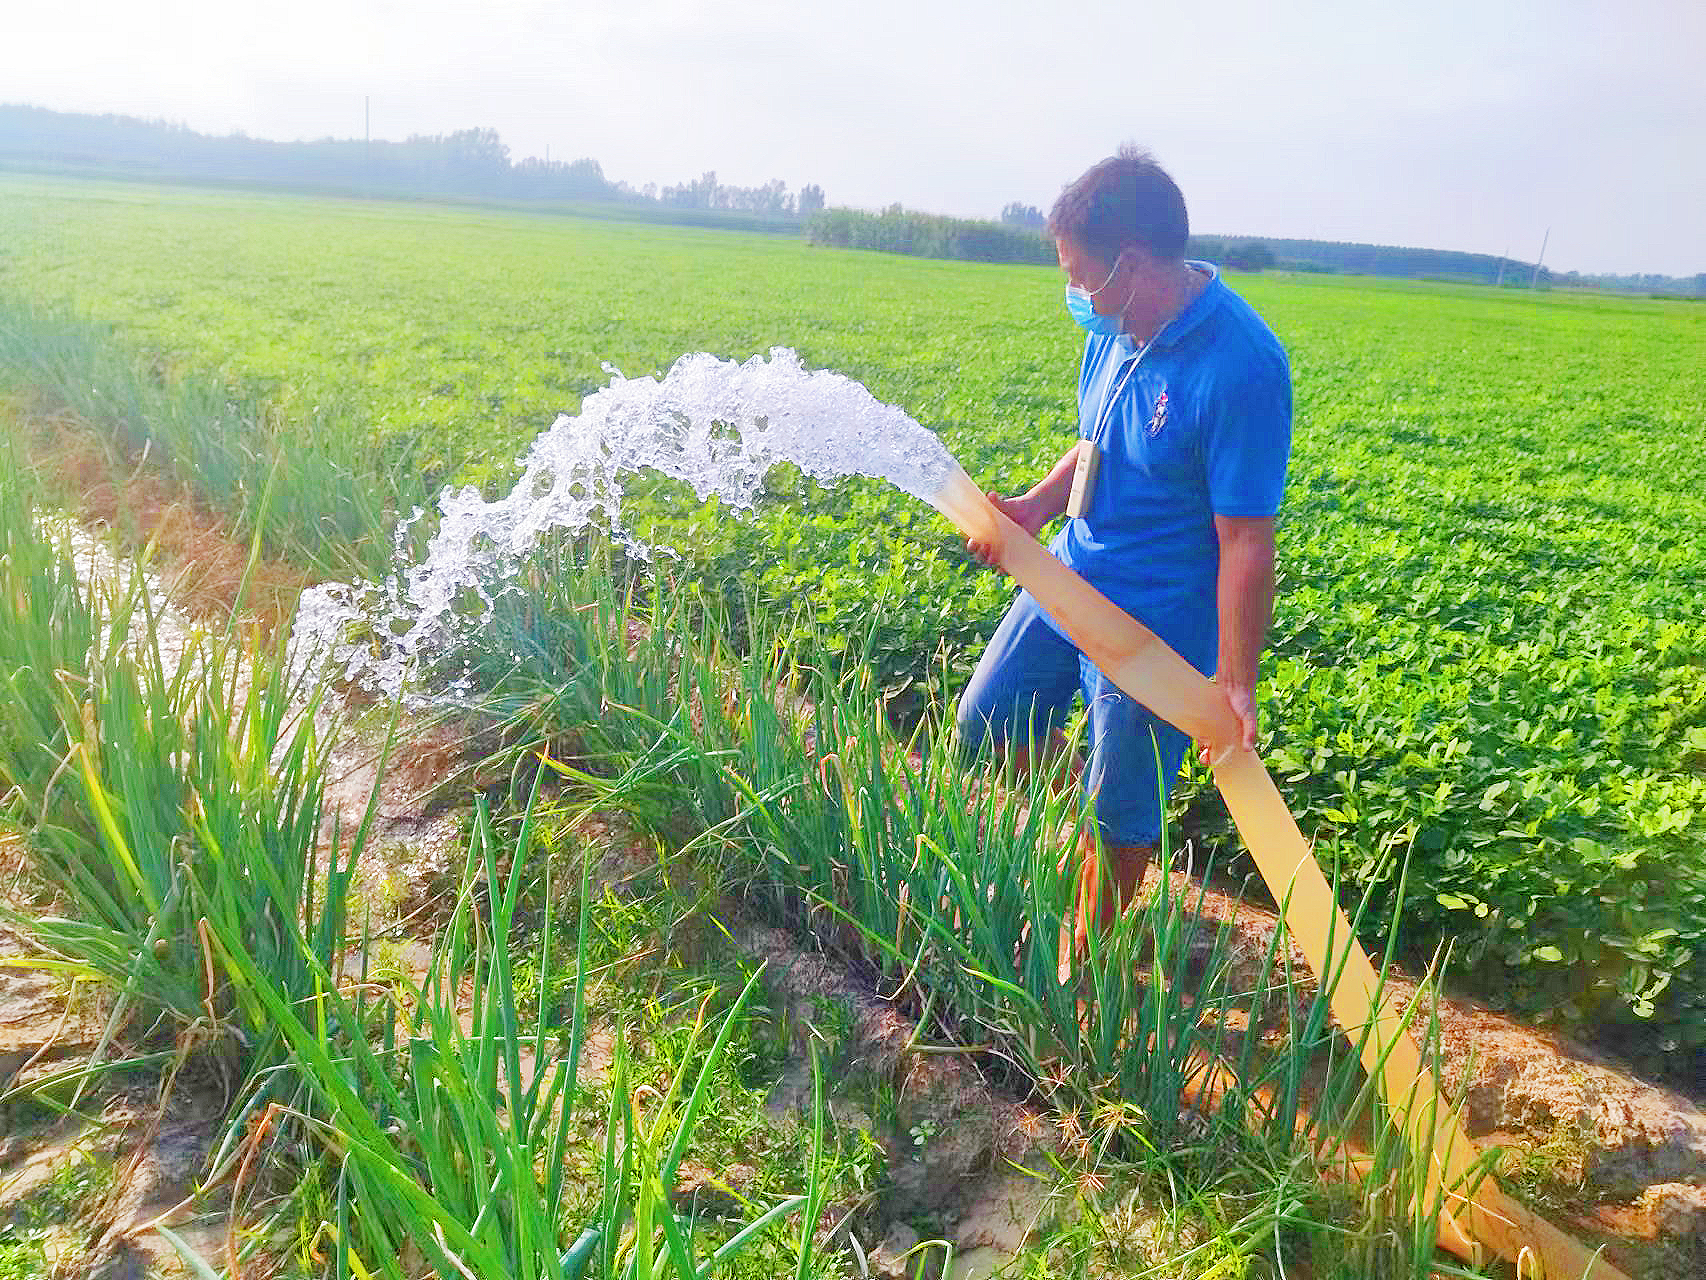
(1248, 442)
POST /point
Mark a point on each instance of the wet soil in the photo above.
(206, 570)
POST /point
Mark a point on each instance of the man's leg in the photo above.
(1022, 688)
(1128, 785)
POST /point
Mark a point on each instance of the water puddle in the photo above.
(114, 578)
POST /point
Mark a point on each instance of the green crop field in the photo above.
(567, 1049)
(1489, 654)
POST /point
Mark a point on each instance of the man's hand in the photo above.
(1242, 699)
(1032, 510)
(1024, 511)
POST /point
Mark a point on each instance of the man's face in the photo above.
(1112, 285)
(1083, 268)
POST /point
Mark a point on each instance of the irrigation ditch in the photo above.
(991, 1147)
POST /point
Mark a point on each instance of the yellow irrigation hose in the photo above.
(1471, 1210)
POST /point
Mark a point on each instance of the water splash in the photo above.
(717, 425)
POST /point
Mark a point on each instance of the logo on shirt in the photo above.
(1158, 419)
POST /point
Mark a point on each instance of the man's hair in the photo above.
(1123, 201)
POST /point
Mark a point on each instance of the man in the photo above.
(1184, 425)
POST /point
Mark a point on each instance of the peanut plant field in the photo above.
(1484, 700)
(1490, 644)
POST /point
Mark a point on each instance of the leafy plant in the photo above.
(449, 1132)
(158, 793)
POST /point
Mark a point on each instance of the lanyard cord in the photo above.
(1131, 363)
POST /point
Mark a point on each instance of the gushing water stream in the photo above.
(717, 425)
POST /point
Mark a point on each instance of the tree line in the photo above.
(928, 235)
(1245, 253)
(477, 163)
(469, 162)
(1693, 286)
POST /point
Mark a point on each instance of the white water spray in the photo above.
(717, 425)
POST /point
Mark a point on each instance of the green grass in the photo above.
(159, 792)
(1487, 650)
(949, 888)
(448, 1117)
(50, 1225)
(334, 511)
(172, 807)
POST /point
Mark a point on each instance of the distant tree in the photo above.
(583, 178)
(772, 198)
(810, 201)
(698, 194)
(587, 172)
(476, 151)
(1206, 248)
(896, 230)
(1252, 255)
(1023, 215)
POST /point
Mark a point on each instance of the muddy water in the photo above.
(112, 577)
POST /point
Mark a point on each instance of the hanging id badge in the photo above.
(1089, 464)
(1084, 478)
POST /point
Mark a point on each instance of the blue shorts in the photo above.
(1023, 689)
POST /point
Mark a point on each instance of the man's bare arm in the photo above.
(1245, 597)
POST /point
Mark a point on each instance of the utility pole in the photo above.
(1503, 258)
(1533, 283)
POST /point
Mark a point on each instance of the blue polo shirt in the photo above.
(1195, 424)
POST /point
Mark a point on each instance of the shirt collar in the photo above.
(1175, 330)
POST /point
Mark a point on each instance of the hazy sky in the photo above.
(1462, 124)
